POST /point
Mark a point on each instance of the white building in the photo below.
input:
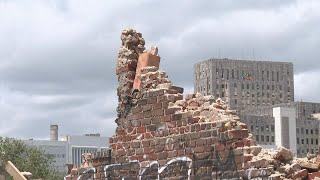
(69, 149)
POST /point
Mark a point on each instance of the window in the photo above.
(251, 127)
(267, 75)
(232, 74)
(248, 86)
(267, 87)
(272, 76)
(280, 87)
(272, 138)
(222, 86)
(307, 131)
(311, 141)
(227, 74)
(272, 87)
(297, 130)
(298, 141)
(280, 95)
(257, 138)
(222, 94)
(242, 86)
(316, 141)
(267, 138)
(262, 138)
(267, 127)
(272, 128)
(311, 131)
(235, 101)
(277, 76)
(262, 128)
(302, 141)
(307, 141)
(252, 86)
(302, 131)
(235, 85)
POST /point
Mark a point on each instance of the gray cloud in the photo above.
(57, 58)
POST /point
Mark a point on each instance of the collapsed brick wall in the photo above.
(132, 45)
(163, 135)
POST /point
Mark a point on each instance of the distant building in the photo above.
(69, 150)
(263, 124)
(244, 84)
(263, 94)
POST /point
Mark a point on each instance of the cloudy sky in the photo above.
(57, 57)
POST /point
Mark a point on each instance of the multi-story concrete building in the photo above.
(69, 149)
(243, 84)
(263, 125)
(263, 94)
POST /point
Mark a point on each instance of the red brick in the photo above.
(219, 147)
(147, 107)
(157, 106)
(163, 155)
(176, 117)
(141, 129)
(152, 100)
(198, 149)
(300, 174)
(158, 112)
(166, 118)
(312, 176)
(146, 121)
(138, 116)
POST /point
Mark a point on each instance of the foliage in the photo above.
(28, 159)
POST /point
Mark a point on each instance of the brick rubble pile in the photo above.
(162, 134)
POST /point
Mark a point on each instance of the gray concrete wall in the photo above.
(243, 84)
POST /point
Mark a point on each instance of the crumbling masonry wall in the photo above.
(163, 135)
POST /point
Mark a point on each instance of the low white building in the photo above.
(69, 149)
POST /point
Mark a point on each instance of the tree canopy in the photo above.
(28, 159)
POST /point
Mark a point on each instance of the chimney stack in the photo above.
(54, 132)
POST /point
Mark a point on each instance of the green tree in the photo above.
(28, 159)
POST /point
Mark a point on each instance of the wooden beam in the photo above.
(14, 172)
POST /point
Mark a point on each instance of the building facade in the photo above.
(263, 94)
(263, 125)
(69, 149)
(244, 84)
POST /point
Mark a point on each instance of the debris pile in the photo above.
(162, 134)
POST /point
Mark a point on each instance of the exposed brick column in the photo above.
(132, 45)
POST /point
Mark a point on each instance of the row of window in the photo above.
(232, 74)
(306, 131)
(262, 128)
(252, 86)
(307, 141)
(312, 151)
(258, 102)
(263, 138)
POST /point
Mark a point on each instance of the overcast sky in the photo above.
(57, 57)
